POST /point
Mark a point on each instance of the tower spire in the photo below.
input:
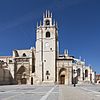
(84, 60)
(51, 15)
(43, 15)
(40, 23)
(37, 24)
(56, 25)
(54, 22)
(80, 58)
(46, 14)
(65, 52)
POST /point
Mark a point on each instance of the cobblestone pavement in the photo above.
(29, 92)
(50, 92)
(80, 92)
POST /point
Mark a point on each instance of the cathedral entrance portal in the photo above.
(21, 75)
(23, 81)
(62, 79)
(62, 76)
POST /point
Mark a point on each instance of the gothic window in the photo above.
(50, 48)
(47, 34)
(47, 73)
(83, 76)
(24, 55)
(47, 77)
(33, 68)
(74, 71)
(47, 22)
(44, 60)
(10, 61)
(31, 80)
(78, 71)
(86, 73)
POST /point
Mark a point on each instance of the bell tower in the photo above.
(46, 49)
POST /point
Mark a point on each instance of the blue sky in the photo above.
(78, 21)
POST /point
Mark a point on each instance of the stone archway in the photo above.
(62, 76)
(21, 75)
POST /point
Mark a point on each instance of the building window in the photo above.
(78, 71)
(24, 55)
(50, 48)
(10, 61)
(83, 76)
(44, 60)
(47, 77)
(86, 73)
(74, 71)
(47, 73)
(47, 34)
(47, 22)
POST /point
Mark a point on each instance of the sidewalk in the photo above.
(76, 93)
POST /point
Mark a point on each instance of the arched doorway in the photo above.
(86, 73)
(23, 81)
(21, 75)
(62, 76)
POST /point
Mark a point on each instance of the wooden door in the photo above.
(62, 79)
(23, 81)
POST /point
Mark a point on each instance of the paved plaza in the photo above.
(50, 92)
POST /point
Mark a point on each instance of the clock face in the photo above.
(46, 44)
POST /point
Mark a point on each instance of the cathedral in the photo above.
(43, 64)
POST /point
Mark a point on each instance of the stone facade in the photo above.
(44, 65)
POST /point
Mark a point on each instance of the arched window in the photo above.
(86, 73)
(78, 71)
(47, 34)
(24, 55)
(47, 72)
(47, 22)
(47, 77)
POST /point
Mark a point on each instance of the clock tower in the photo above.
(46, 50)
